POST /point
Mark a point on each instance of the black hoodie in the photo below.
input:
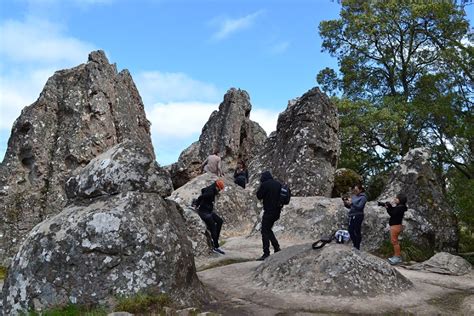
(205, 201)
(269, 191)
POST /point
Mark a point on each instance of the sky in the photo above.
(183, 55)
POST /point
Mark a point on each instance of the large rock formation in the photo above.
(304, 150)
(230, 131)
(80, 113)
(334, 270)
(118, 236)
(414, 176)
(238, 208)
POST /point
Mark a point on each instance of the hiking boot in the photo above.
(394, 260)
(263, 257)
(276, 250)
(218, 250)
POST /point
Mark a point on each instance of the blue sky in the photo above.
(183, 55)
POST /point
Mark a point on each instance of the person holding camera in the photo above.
(356, 213)
(396, 217)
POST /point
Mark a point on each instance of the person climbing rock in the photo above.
(269, 192)
(241, 175)
(213, 164)
(205, 205)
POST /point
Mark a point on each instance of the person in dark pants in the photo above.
(205, 204)
(356, 213)
(396, 218)
(269, 191)
(241, 175)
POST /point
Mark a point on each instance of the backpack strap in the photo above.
(319, 244)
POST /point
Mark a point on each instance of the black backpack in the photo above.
(285, 194)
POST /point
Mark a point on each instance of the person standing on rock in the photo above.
(396, 217)
(213, 164)
(241, 175)
(205, 205)
(269, 192)
(356, 213)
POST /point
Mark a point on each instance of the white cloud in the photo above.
(41, 42)
(179, 120)
(155, 86)
(266, 118)
(227, 26)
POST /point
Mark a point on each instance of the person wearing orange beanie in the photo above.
(205, 205)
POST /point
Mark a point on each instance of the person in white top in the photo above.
(213, 165)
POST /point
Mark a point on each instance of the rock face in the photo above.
(80, 113)
(238, 208)
(333, 270)
(444, 263)
(304, 150)
(230, 131)
(118, 236)
(414, 176)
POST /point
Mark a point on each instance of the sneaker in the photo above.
(263, 257)
(218, 250)
(394, 260)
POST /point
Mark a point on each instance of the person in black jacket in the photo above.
(396, 217)
(269, 191)
(205, 204)
(241, 175)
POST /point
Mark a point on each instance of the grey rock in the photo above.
(437, 225)
(228, 130)
(123, 243)
(444, 263)
(467, 306)
(304, 150)
(238, 208)
(80, 113)
(334, 270)
(125, 167)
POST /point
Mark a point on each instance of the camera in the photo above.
(382, 203)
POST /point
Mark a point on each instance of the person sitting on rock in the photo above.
(241, 175)
(269, 191)
(205, 205)
(396, 217)
(356, 213)
(212, 164)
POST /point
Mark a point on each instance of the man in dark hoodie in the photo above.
(205, 204)
(356, 214)
(269, 191)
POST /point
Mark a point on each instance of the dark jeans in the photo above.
(240, 181)
(267, 234)
(214, 224)
(355, 223)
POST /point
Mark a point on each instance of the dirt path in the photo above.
(237, 293)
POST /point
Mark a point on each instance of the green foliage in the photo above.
(344, 179)
(3, 272)
(410, 250)
(406, 81)
(143, 303)
(461, 196)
